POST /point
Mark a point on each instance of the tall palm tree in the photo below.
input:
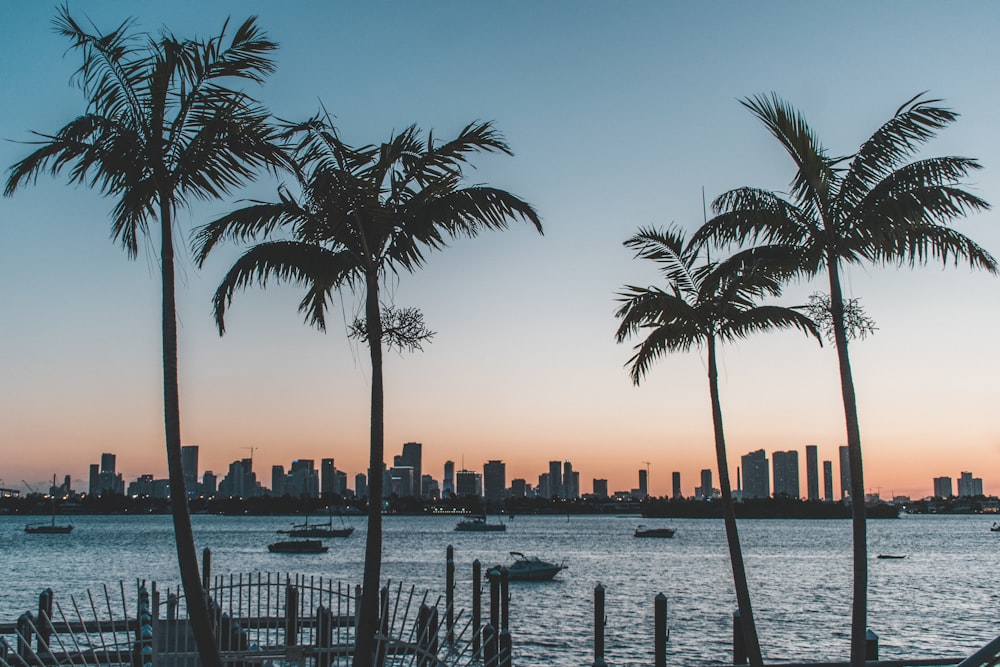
(162, 128)
(363, 213)
(878, 206)
(703, 304)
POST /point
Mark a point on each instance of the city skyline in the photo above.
(617, 117)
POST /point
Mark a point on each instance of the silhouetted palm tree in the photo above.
(875, 206)
(703, 304)
(161, 128)
(363, 213)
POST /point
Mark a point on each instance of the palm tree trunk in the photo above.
(368, 616)
(729, 516)
(859, 612)
(187, 556)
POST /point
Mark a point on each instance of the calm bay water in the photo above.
(940, 600)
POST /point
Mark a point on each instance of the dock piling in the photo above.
(44, 623)
(206, 569)
(600, 620)
(291, 615)
(477, 606)
(871, 645)
(450, 594)
(660, 631)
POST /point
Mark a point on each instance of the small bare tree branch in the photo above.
(856, 322)
(402, 329)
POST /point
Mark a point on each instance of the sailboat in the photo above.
(318, 529)
(51, 528)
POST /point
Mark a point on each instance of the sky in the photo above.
(619, 115)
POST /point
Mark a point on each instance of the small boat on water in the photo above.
(307, 529)
(995, 528)
(891, 556)
(643, 531)
(531, 568)
(298, 547)
(479, 524)
(50, 527)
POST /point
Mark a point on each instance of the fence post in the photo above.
(433, 630)
(660, 632)
(44, 623)
(871, 645)
(206, 569)
(324, 636)
(171, 606)
(291, 615)
(739, 643)
(599, 621)
(423, 621)
(450, 594)
(477, 606)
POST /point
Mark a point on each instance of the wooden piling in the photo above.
(660, 632)
(44, 621)
(324, 636)
(206, 569)
(477, 606)
(450, 594)
(423, 635)
(871, 645)
(489, 645)
(599, 621)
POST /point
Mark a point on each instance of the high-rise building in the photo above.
(108, 463)
(571, 482)
(494, 480)
(402, 481)
(412, 456)
(303, 479)
(786, 473)
(277, 481)
(676, 492)
(601, 488)
(845, 473)
(448, 483)
(544, 488)
(467, 483)
(828, 481)
(240, 481)
(94, 487)
(340, 483)
(106, 480)
(429, 487)
(969, 486)
(942, 487)
(209, 484)
(705, 490)
(327, 477)
(360, 485)
(189, 465)
(643, 483)
(812, 472)
(756, 476)
(555, 479)
(518, 488)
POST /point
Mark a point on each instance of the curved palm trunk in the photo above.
(729, 516)
(187, 556)
(368, 616)
(859, 612)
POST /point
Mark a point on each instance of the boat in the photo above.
(298, 547)
(643, 531)
(479, 524)
(51, 527)
(531, 568)
(995, 528)
(890, 556)
(317, 529)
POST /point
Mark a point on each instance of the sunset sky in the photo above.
(618, 115)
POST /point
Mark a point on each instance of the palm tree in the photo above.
(161, 129)
(363, 213)
(876, 206)
(702, 305)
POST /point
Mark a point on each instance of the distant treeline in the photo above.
(760, 508)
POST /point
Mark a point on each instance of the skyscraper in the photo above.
(705, 490)
(494, 480)
(467, 483)
(828, 481)
(189, 465)
(277, 481)
(412, 456)
(812, 472)
(570, 482)
(942, 487)
(643, 483)
(448, 484)
(676, 479)
(786, 473)
(361, 485)
(555, 479)
(328, 477)
(969, 486)
(845, 473)
(756, 476)
(601, 488)
(518, 488)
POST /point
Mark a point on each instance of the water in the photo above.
(941, 600)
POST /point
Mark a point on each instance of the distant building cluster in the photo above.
(756, 477)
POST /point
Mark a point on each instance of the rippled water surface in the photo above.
(941, 600)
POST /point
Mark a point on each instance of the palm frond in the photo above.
(671, 252)
(761, 319)
(645, 307)
(320, 270)
(753, 214)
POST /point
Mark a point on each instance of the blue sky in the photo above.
(618, 114)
